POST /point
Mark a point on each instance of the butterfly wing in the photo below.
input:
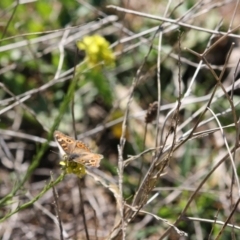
(88, 159)
(66, 143)
(81, 147)
(85, 156)
(77, 151)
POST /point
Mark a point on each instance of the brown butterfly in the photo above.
(77, 151)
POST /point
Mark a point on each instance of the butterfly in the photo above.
(77, 151)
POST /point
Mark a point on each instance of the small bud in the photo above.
(151, 112)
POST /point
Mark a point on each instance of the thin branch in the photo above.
(55, 196)
(80, 186)
(230, 155)
(174, 22)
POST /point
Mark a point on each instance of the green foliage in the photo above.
(146, 232)
(102, 86)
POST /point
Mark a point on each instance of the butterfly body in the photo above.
(77, 151)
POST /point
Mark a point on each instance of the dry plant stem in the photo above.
(196, 225)
(186, 17)
(194, 8)
(142, 159)
(139, 35)
(146, 186)
(206, 121)
(80, 31)
(55, 196)
(215, 221)
(162, 167)
(141, 195)
(115, 24)
(207, 6)
(156, 217)
(18, 44)
(122, 139)
(80, 181)
(42, 38)
(200, 117)
(96, 223)
(208, 105)
(228, 34)
(172, 21)
(230, 156)
(37, 90)
(75, 225)
(164, 157)
(159, 78)
(120, 182)
(26, 136)
(120, 161)
(229, 99)
(132, 158)
(148, 31)
(164, 126)
(234, 15)
(47, 213)
(8, 153)
(165, 107)
(120, 164)
(196, 191)
(46, 38)
(18, 102)
(138, 75)
(124, 23)
(191, 133)
(213, 225)
(176, 114)
(238, 122)
(179, 71)
(45, 86)
(234, 78)
(234, 175)
(159, 91)
(179, 88)
(188, 92)
(228, 219)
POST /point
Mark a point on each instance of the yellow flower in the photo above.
(97, 50)
(71, 167)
